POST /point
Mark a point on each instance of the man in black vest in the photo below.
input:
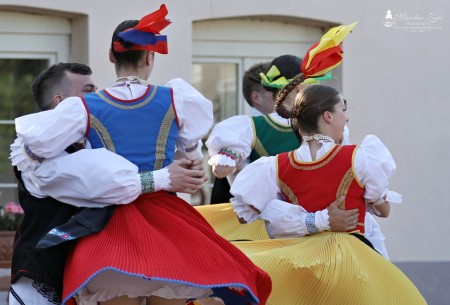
(37, 274)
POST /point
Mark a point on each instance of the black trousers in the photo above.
(221, 191)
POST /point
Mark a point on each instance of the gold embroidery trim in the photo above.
(257, 144)
(128, 107)
(313, 165)
(163, 134)
(259, 148)
(277, 126)
(102, 133)
(344, 185)
(254, 133)
(285, 189)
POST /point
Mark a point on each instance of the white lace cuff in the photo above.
(161, 178)
(322, 220)
(243, 211)
(221, 160)
(225, 156)
(22, 157)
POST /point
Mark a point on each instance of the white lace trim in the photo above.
(19, 158)
(220, 159)
(111, 284)
(161, 179)
(322, 220)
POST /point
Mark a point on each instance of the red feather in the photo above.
(154, 22)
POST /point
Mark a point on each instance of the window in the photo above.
(30, 43)
(218, 82)
(16, 99)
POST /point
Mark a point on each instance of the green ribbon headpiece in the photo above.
(274, 79)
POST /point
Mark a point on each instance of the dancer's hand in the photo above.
(197, 164)
(221, 171)
(341, 220)
(183, 179)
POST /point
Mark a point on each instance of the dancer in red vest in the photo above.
(323, 267)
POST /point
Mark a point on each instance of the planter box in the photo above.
(6, 248)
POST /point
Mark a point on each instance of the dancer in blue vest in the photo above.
(152, 247)
(37, 274)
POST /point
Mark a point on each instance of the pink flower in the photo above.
(13, 208)
(11, 216)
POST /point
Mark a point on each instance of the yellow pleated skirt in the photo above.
(224, 220)
(321, 269)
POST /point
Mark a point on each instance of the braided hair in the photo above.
(309, 105)
(286, 112)
(281, 108)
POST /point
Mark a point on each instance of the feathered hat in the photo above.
(145, 35)
(320, 59)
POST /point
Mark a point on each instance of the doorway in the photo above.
(223, 49)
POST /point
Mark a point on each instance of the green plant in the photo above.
(11, 216)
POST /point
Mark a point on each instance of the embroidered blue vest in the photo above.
(142, 130)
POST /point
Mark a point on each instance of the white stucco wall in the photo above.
(394, 80)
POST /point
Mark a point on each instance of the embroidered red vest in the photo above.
(314, 185)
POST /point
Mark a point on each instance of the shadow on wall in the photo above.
(431, 278)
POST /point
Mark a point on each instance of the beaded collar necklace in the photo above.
(132, 79)
(318, 137)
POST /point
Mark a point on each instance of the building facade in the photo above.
(394, 77)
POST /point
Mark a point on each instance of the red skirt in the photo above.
(161, 239)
